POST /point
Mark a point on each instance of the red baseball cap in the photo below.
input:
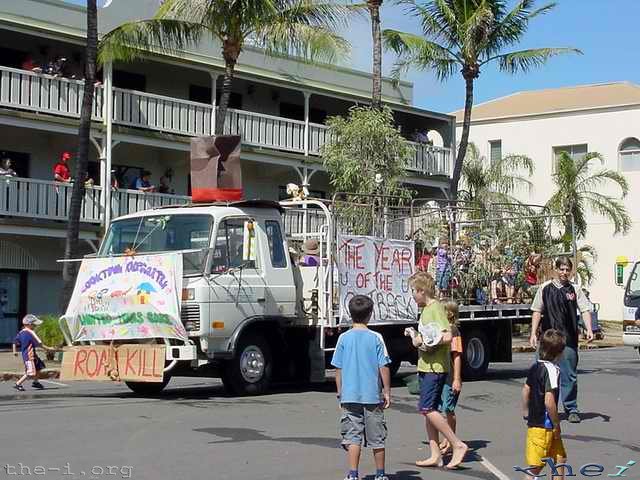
(65, 156)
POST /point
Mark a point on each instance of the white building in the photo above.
(592, 118)
(278, 106)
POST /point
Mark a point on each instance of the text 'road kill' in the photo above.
(141, 363)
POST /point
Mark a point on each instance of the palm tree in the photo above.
(579, 190)
(80, 171)
(376, 35)
(305, 28)
(465, 35)
(484, 183)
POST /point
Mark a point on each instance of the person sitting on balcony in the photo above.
(142, 182)
(61, 170)
(29, 64)
(88, 182)
(5, 168)
(164, 186)
(114, 180)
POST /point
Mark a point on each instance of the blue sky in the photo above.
(605, 30)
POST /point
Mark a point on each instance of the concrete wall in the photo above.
(603, 132)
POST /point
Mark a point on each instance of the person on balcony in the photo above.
(114, 180)
(143, 183)
(164, 186)
(61, 170)
(5, 168)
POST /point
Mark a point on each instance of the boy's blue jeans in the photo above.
(569, 379)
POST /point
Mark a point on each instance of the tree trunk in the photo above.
(230, 53)
(70, 269)
(464, 140)
(376, 92)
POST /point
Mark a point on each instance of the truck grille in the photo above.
(190, 316)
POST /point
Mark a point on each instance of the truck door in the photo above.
(236, 276)
(281, 289)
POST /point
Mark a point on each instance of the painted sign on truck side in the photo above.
(379, 268)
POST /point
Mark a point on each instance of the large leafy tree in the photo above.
(80, 170)
(306, 28)
(366, 158)
(484, 182)
(464, 36)
(580, 188)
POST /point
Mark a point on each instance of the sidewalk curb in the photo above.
(44, 374)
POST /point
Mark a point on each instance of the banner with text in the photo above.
(380, 269)
(138, 363)
(119, 298)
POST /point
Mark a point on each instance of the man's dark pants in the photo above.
(569, 379)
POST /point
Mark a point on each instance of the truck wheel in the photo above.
(476, 354)
(148, 388)
(250, 371)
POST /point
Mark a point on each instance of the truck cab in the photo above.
(631, 324)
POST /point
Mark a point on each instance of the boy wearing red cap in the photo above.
(61, 171)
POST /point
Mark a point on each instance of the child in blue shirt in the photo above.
(363, 381)
(27, 341)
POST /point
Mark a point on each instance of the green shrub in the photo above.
(50, 333)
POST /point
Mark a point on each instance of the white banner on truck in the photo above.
(119, 298)
(379, 268)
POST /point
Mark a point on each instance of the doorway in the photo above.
(12, 303)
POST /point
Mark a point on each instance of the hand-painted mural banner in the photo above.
(119, 298)
(379, 268)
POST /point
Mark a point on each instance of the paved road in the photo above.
(196, 431)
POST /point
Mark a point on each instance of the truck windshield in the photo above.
(162, 233)
(632, 292)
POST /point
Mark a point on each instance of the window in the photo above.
(162, 233)
(296, 112)
(276, 245)
(576, 152)
(495, 151)
(128, 80)
(235, 245)
(630, 155)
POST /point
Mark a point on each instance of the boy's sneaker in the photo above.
(349, 477)
(37, 385)
(574, 417)
(20, 388)
(382, 477)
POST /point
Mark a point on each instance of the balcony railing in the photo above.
(44, 93)
(36, 92)
(47, 200)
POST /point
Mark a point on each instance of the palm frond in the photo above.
(416, 52)
(131, 40)
(525, 60)
(611, 209)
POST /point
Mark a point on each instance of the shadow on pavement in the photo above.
(242, 435)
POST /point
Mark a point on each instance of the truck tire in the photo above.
(476, 355)
(148, 388)
(251, 369)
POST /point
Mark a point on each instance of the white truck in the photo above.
(253, 315)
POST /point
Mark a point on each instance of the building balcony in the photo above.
(25, 90)
(47, 200)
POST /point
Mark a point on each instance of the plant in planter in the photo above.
(50, 334)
